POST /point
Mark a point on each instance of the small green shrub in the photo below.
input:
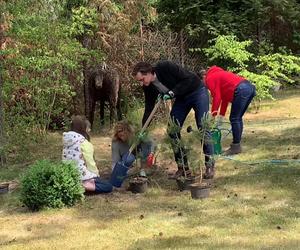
(51, 185)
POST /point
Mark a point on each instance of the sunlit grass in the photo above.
(252, 206)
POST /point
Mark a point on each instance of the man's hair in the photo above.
(142, 67)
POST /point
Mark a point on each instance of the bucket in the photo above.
(120, 170)
(216, 138)
(118, 174)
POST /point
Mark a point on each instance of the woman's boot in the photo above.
(235, 148)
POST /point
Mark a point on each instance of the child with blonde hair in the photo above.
(122, 140)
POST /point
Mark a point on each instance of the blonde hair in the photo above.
(122, 126)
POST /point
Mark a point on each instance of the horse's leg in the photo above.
(112, 114)
(119, 111)
(102, 106)
(92, 102)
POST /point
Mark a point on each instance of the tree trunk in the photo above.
(86, 75)
(2, 134)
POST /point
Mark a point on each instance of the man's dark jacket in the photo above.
(181, 81)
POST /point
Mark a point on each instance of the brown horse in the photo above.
(103, 85)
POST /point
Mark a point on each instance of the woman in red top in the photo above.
(226, 87)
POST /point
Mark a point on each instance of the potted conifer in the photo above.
(179, 146)
(200, 189)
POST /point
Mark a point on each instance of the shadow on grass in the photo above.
(200, 242)
(267, 176)
(286, 133)
(35, 232)
(274, 144)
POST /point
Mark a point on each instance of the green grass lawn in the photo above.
(251, 206)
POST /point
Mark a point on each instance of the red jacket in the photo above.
(221, 85)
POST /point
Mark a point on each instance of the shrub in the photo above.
(230, 53)
(51, 185)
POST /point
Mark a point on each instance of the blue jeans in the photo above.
(199, 102)
(243, 96)
(102, 186)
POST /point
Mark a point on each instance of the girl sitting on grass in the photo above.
(122, 140)
(77, 148)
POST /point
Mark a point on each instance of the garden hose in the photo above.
(264, 161)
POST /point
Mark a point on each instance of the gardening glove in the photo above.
(159, 97)
(141, 136)
(220, 120)
(128, 159)
(169, 95)
(150, 160)
(142, 173)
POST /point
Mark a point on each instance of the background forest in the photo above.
(47, 47)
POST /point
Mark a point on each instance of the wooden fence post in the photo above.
(182, 49)
(142, 40)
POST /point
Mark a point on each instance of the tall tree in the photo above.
(2, 135)
(260, 20)
(2, 42)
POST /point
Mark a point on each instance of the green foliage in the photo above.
(177, 143)
(280, 67)
(134, 111)
(42, 71)
(257, 20)
(51, 185)
(263, 84)
(178, 14)
(72, 4)
(192, 144)
(227, 50)
(84, 21)
(196, 141)
(269, 70)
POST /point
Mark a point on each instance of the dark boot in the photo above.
(235, 148)
(185, 172)
(209, 171)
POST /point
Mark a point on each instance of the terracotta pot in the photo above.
(200, 190)
(138, 185)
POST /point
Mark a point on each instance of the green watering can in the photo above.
(216, 135)
(216, 138)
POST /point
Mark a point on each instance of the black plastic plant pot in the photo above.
(200, 190)
(4, 188)
(184, 183)
(138, 185)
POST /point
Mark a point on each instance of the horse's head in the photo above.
(99, 76)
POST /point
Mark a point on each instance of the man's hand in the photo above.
(141, 136)
(159, 97)
(142, 173)
(150, 160)
(168, 96)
